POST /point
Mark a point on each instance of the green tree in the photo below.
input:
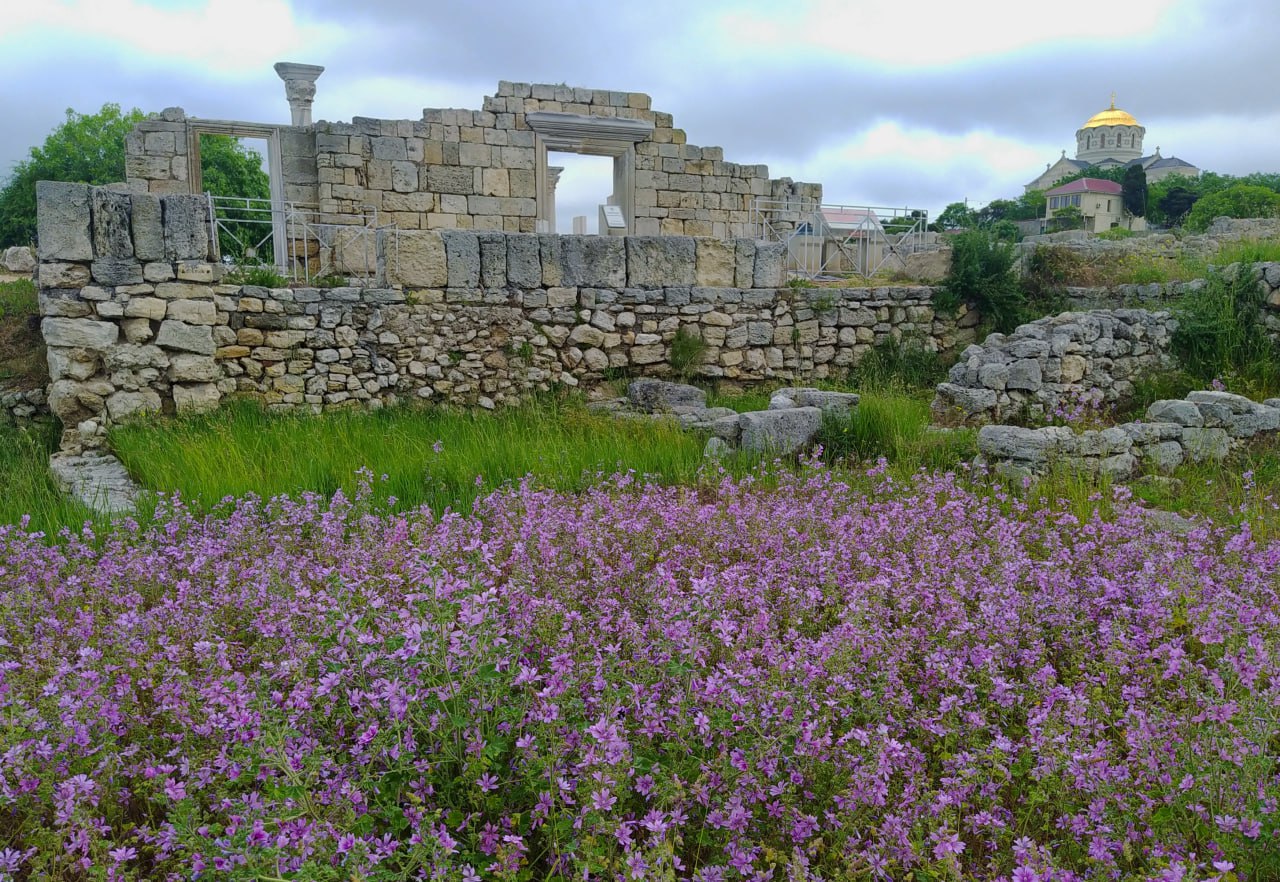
(1133, 192)
(89, 149)
(1104, 174)
(1241, 200)
(982, 275)
(1175, 204)
(229, 168)
(957, 216)
(1069, 217)
(84, 148)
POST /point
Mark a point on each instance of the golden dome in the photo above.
(1110, 117)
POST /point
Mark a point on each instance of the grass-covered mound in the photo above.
(738, 679)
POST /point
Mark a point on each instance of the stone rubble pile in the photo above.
(1052, 362)
(789, 425)
(23, 407)
(1202, 427)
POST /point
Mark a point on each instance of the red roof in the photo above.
(1087, 185)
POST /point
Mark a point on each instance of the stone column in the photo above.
(299, 88)
(553, 178)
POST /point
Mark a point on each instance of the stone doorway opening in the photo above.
(578, 185)
(589, 136)
(236, 175)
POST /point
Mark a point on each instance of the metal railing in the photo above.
(302, 243)
(831, 240)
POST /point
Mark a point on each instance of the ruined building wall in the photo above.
(137, 318)
(484, 169)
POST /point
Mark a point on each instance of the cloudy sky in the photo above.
(911, 103)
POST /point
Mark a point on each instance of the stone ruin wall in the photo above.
(478, 169)
(136, 317)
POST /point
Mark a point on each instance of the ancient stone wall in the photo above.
(1061, 362)
(137, 319)
(1203, 427)
(487, 169)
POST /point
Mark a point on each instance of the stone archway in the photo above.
(591, 136)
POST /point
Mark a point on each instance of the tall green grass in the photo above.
(895, 425)
(28, 489)
(437, 457)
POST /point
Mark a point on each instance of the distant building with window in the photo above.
(1100, 203)
(1109, 139)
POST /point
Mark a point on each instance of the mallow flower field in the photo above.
(742, 679)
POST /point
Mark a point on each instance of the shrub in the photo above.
(263, 275)
(687, 351)
(902, 363)
(1115, 234)
(1045, 278)
(1242, 200)
(1221, 334)
(983, 276)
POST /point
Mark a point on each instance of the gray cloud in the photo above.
(1209, 68)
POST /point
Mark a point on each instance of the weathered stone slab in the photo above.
(493, 260)
(111, 223)
(593, 261)
(195, 397)
(1169, 410)
(660, 261)
(63, 221)
(125, 405)
(116, 271)
(716, 263)
(79, 332)
(524, 265)
(661, 396)
(186, 226)
(193, 312)
(148, 229)
(97, 480)
(1206, 445)
(189, 338)
(779, 432)
(63, 275)
(770, 265)
(462, 251)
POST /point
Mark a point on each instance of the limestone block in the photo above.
(493, 260)
(524, 266)
(769, 270)
(419, 260)
(198, 271)
(79, 332)
(136, 330)
(145, 307)
(19, 259)
(64, 302)
(1025, 374)
(130, 356)
(586, 335)
(62, 221)
(157, 272)
(123, 405)
(188, 367)
(1237, 404)
(148, 230)
(549, 254)
(1184, 413)
(116, 271)
(1119, 467)
(994, 376)
(660, 261)
(716, 263)
(744, 263)
(188, 338)
(1260, 419)
(648, 354)
(195, 397)
(1025, 445)
(186, 226)
(1164, 456)
(74, 364)
(111, 223)
(839, 402)
(779, 432)
(450, 179)
(462, 251)
(593, 261)
(63, 275)
(193, 312)
(660, 396)
(1201, 445)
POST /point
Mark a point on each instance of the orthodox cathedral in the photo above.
(1109, 139)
